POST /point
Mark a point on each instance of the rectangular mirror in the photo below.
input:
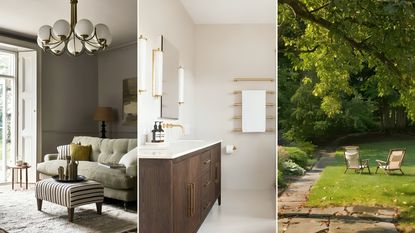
(170, 98)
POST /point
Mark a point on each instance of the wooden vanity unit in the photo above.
(177, 191)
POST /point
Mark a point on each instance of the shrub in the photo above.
(307, 147)
(291, 168)
(283, 153)
(297, 156)
(281, 180)
(280, 175)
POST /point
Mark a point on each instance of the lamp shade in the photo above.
(157, 73)
(74, 46)
(61, 28)
(181, 85)
(103, 114)
(103, 34)
(44, 33)
(142, 50)
(84, 28)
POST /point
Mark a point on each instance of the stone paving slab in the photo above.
(297, 225)
(283, 224)
(328, 211)
(355, 225)
(293, 198)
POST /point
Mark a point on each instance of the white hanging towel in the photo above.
(253, 111)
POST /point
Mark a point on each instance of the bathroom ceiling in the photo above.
(24, 17)
(231, 11)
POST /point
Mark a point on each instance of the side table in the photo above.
(19, 168)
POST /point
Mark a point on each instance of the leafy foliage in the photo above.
(345, 66)
(297, 156)
(292, 168)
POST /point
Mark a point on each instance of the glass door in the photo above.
(7, 112)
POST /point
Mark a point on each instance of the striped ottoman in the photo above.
(70, 195)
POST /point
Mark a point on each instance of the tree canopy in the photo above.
(344, 55)
(340, 38)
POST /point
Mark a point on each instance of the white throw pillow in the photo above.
(63, 151)
(130, 162)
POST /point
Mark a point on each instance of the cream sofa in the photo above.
(119, 184)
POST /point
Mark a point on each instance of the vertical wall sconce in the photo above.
(181, 85)
(142, 48)
(157, 73)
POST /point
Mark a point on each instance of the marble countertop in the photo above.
(173, 150)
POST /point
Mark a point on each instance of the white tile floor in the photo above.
(242, 211)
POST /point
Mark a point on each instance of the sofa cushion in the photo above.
(113, 149)
(111, 178)
(79, 152)
(93, 141)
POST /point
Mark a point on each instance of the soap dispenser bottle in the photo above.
(161, 131)
(154, 132)
(158, 133)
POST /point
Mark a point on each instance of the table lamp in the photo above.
(103, 114)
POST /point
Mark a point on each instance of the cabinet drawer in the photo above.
(208, 192)
(205, 161)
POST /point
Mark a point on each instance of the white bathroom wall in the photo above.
(170, 19)
(113, 67)
(224, 52)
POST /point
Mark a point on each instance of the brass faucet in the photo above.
(170, 125)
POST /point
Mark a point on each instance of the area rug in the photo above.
(18, 213)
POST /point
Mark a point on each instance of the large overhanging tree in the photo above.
(340, 38)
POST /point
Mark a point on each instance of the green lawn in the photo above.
(337, 189)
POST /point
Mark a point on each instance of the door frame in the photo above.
(31, 45)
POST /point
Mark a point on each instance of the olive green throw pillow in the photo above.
(81, 152)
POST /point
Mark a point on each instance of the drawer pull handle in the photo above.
(189, 200)
(217, 174)
(207, 161)
(206, 184)
(194, 200)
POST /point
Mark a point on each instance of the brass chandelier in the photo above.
(75, 38)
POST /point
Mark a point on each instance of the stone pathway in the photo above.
(294, 217)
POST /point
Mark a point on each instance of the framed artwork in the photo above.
(129, 101)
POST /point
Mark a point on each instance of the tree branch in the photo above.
(321, 7)
(297, 51)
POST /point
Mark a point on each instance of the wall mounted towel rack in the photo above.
(240, 117)
(252, 79)
(268, 92)
(268, 104)
(240, 130)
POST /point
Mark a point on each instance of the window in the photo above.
(7, 64)
(7, 111)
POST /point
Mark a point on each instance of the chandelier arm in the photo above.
(49, 44)
(56, 45)
(52, 37)
(92, 44)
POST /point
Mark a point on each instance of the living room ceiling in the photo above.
(24, 17)
(231, 11)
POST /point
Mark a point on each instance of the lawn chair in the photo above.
(353, 160)
(394, 161)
